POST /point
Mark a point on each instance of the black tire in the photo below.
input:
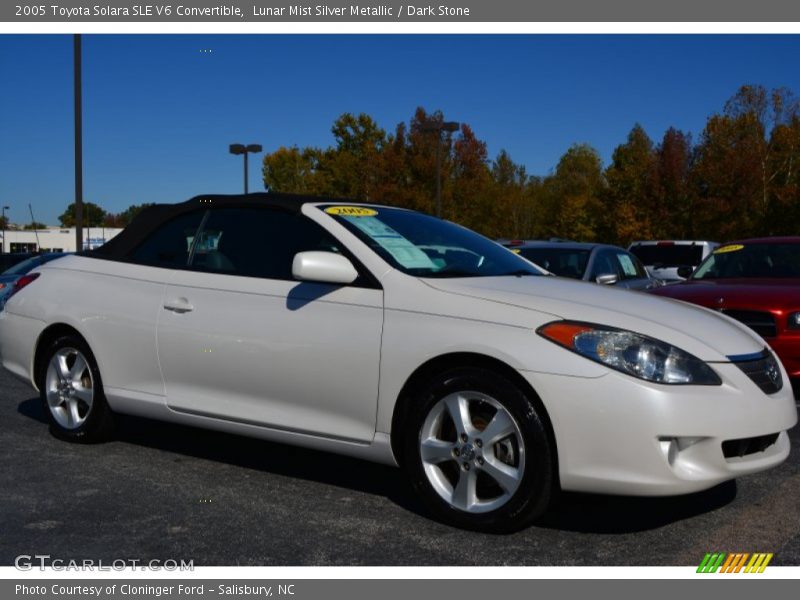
(538, 483)
(98, 425)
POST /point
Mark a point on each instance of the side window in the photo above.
(169, 245)
(604, 264)
(257, 242)
(629, 266)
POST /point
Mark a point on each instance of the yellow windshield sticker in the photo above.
(351, 211)
(515, 250)
(728, 248)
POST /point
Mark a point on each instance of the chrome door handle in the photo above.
(179, 305)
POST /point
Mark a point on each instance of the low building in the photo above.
(54, 239)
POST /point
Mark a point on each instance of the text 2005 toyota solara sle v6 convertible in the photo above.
(401, 338)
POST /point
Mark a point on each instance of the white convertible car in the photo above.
(396, 337)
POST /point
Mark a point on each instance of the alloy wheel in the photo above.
(69, 388)
(472, 451)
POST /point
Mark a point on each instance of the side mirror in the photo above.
(607, 279)
(685, 272)
(323, 267)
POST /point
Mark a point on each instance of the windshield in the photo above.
(564, 262)
(752, 260)
(425, 246)
(669, 255)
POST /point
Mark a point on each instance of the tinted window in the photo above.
(564, 262)
(752, 260)
(169, 245)
(257, 242)
(669, 255)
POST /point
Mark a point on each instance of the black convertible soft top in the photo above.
(152, 217)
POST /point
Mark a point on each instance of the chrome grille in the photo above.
(763, 323)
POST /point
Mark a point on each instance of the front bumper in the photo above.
(619, 435)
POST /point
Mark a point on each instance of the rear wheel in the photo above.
(478, 452)
(72, 392)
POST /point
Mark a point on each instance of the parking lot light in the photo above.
(245, 150)
(3, 245)
(437, 127)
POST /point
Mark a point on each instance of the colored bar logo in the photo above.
(735, 562)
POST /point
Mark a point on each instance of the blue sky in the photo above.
(159, 112)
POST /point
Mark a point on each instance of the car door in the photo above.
(240, 339)
(121, 305)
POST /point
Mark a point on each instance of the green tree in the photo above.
(133, 211)
(93, 215)
(292, 171)
(512, 198)
(354, 166)
(572, 202)
(631, 199)
(35, 225)
(674, 214)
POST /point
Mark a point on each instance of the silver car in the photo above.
(599, 263)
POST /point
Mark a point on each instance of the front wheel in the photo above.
(478, 452)
(72, 392)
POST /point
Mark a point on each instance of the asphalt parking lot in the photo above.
(166, 492)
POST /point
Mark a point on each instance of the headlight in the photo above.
(794, 320)
(631, 353)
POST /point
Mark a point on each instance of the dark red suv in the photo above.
(756, 282)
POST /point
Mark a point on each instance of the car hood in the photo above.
(706, 334)
(739, 293)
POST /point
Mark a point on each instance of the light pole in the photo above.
(77, 78)
(438, 127)
(245, 150)
(3, 245)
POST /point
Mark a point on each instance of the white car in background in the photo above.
(672, 260)
(396, 337)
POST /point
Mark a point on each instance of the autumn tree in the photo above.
(471, 201)
(745, 159)
(742, 178)
(420, 164)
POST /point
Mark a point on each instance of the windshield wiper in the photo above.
(453, 273)
(517, 273)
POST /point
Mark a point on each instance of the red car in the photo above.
(756, 282)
